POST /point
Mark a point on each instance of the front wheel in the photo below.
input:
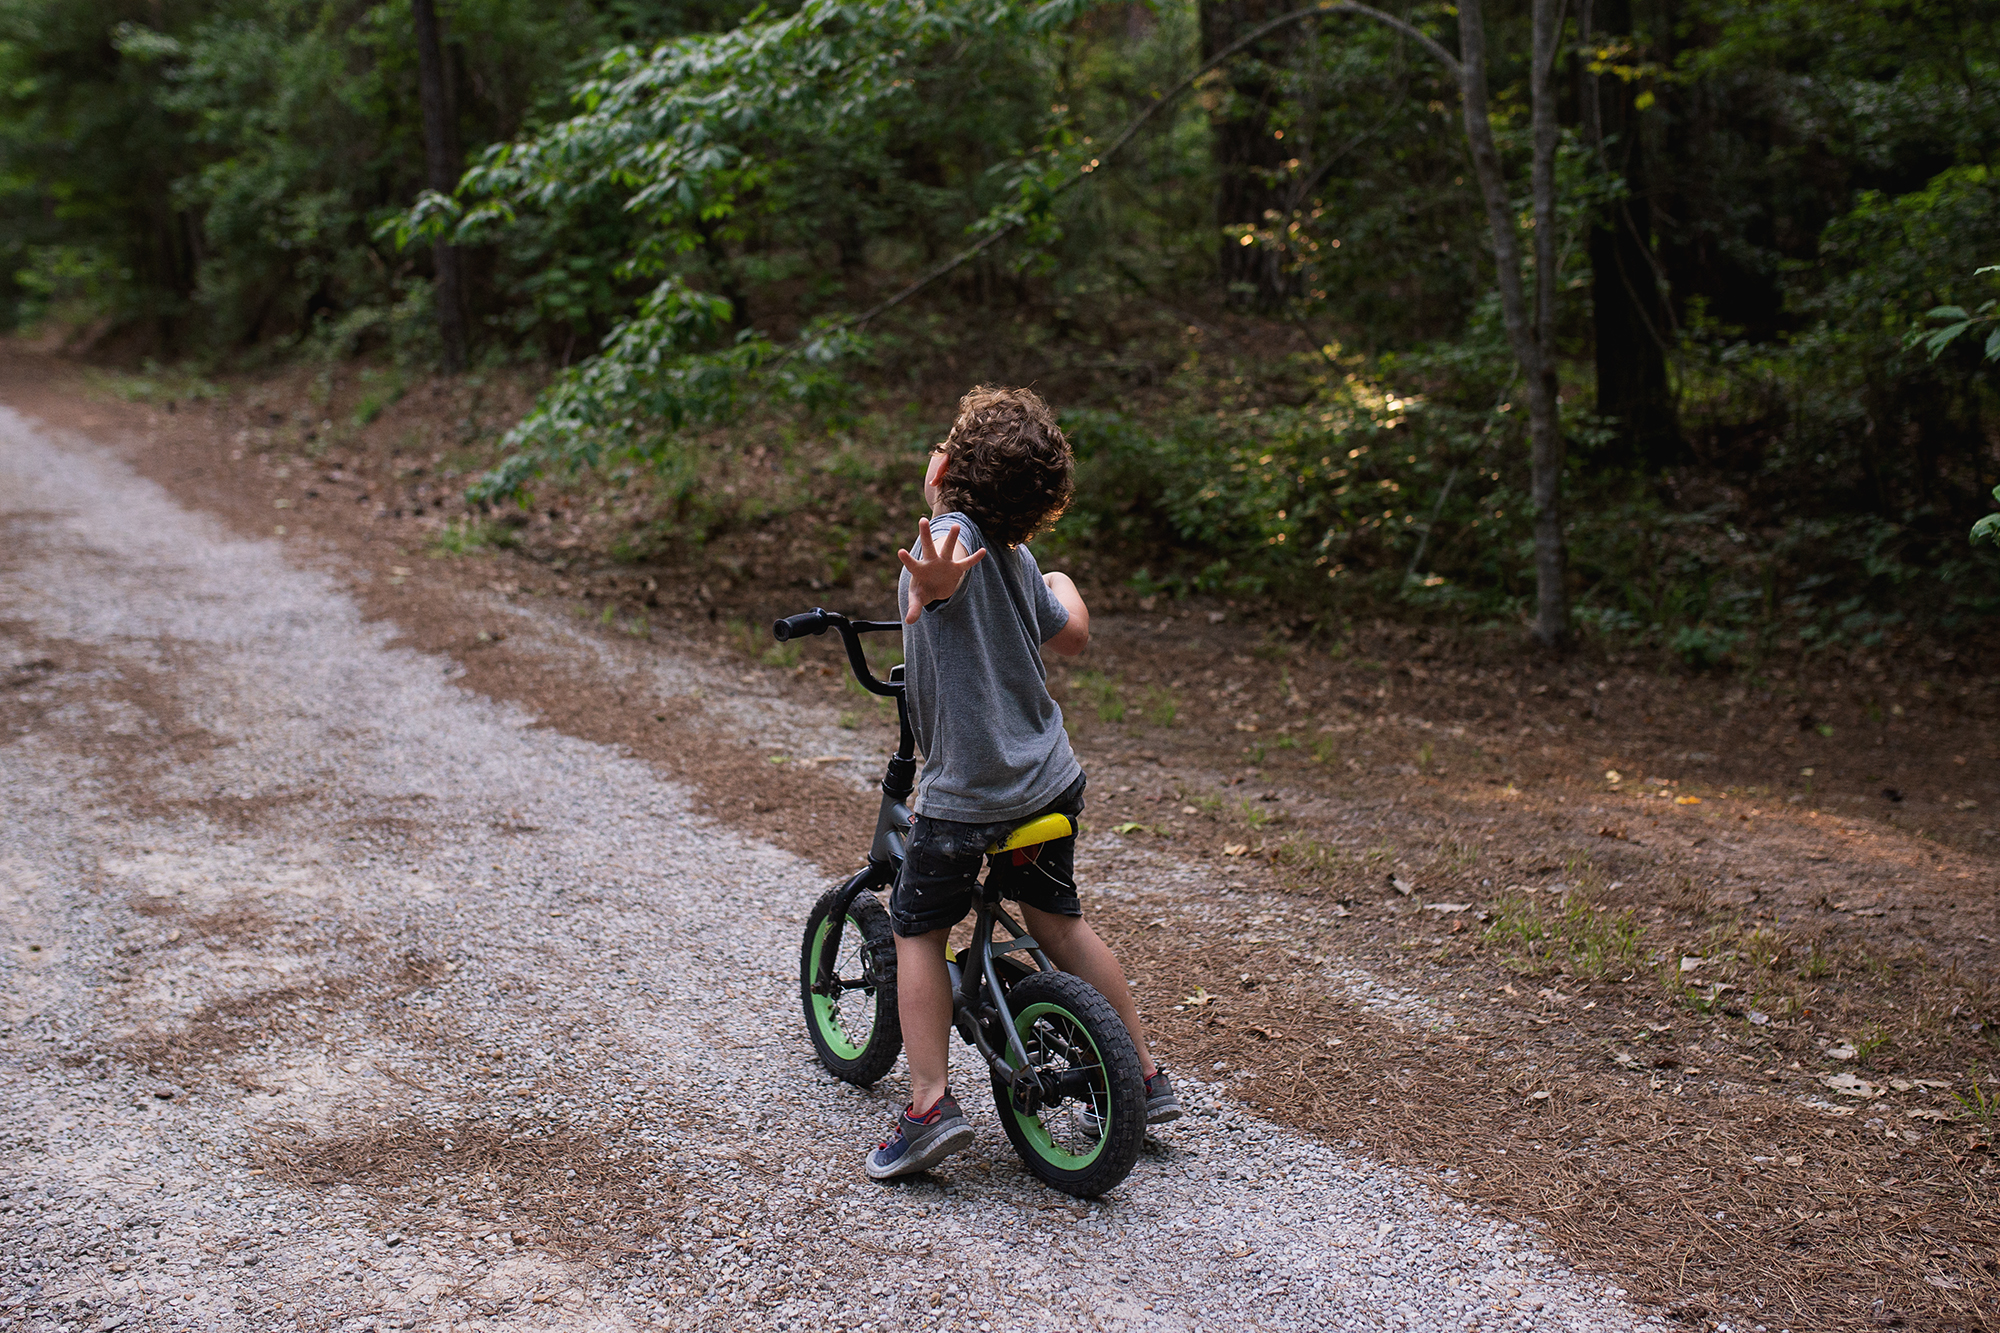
(1086, 1062)
(850, 999)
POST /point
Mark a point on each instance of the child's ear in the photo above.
(934, 473)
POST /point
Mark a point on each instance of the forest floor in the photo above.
(1698, 974)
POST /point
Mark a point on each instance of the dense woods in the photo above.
(1669, 322)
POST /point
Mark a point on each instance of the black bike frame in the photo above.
(885, 861)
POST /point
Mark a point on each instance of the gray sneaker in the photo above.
(918, 1145)
(1161, 1105)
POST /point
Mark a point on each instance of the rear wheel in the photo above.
(850, 1000)
(1084, 1058)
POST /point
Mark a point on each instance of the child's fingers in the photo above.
(924, 542)
(950, 544)
(973, 559)
(909, 562)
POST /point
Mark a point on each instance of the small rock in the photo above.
(167, 1092)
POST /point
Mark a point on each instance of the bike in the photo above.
(1065, 1073)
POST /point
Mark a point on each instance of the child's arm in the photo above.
(1074, 637)
(934, 574)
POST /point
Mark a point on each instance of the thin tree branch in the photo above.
(1140, 121)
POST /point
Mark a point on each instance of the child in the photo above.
(976, 612)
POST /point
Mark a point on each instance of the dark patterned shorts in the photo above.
(941, 869)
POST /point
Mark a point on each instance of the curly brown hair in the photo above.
(1008, 466)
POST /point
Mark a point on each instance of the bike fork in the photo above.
(863, 881)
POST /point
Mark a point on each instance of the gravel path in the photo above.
(338, 997)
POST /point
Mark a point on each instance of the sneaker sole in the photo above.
(939, 1148)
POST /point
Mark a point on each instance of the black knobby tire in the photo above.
(856, 1032)
(1068, 1027)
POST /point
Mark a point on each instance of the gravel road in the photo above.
(339, 997)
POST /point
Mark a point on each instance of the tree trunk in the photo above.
(1247, 156)
(1531, 333)
(441, 172)
(1630, 319)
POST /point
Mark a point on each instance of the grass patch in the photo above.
(1104, 694)
(468, 536)
(155, 385)
(757, 645)
(1568, 936)
(1311, 858)
(377, 398)
(1163, 706)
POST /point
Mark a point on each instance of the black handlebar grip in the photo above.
(800, 625)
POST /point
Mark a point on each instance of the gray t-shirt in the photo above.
(993, 740)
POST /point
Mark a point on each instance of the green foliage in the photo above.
(1988, 528)
(682, 207)
(1104, 693)
(216, 170)
(470, 536)
(1571, 936)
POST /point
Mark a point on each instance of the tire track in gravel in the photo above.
(381, 1007)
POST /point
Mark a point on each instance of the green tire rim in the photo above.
(826, 1010)
(1038, 1133)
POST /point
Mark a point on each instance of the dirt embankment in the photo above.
(1697, 973)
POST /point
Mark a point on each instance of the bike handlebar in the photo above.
(819, 620)
(800, 625)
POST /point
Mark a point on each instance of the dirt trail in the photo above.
(340, 996)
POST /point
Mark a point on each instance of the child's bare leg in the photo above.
(1074, 947)
(923, 1002)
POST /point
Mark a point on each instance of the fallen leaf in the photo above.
(1928, 1113)
(1235, 848)
(1966, 805)
(1795, 1161)
(1758, 1019)
(1541, 1096)
(1199, 998)
(1689, 962)
(1609, 832)
(1930, 1082)
(1840, 1051)
(1127, 828)
(1848, 1085)
(1687, 800)
(1447, 907)
(1268, 1034)
(1402, 885)
(1613, 775)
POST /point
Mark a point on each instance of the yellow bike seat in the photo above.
(1046, 829)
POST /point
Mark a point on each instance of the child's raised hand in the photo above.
(934, 572)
